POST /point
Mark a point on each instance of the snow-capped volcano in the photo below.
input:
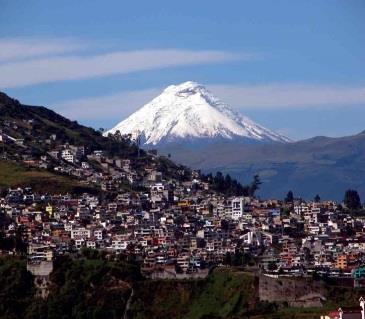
(190, 112)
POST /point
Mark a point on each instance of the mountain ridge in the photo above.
(324, 165)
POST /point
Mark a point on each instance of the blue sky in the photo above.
(294, 66)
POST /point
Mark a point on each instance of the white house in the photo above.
(67, 155)
(238, 204)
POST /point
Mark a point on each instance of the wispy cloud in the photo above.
(76, 67)
(288, 95)
(23, 48)
(115, 106)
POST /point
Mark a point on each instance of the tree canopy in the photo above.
(352, 199)
(228, 186)
(289, 197)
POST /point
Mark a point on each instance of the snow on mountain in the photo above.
(190, 112)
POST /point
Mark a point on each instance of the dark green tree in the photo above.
(272, 266)
(352, 199)
(317, 198)
(16, 287)
(289, 197)
(255, 185)
(228, 259)
(228, 181)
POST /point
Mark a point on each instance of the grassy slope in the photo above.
(14, 175)
(224, 294)
(89, 289)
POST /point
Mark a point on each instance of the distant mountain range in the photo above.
(189, 113)
(320, 165)
(200, 131)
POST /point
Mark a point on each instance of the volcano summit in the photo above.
(189, 112)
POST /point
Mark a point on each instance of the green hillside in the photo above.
(95, 287)
(16, 175)
(224, 294)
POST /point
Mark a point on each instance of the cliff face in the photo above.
(296, 292)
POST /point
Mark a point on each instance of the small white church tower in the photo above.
(362, 305)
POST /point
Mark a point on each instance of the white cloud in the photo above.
(43, 70)
(21, 48)
(116, 106)
(288, 95)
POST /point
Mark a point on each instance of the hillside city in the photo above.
(177, 227)
(69, 191)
